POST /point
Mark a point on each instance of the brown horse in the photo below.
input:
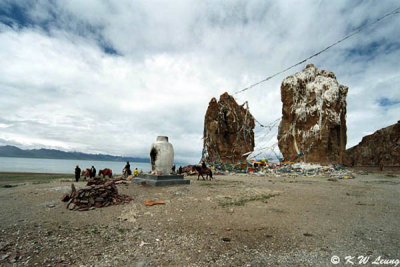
(85, 173)
(106, 172)
(187, 169)
(200, 170)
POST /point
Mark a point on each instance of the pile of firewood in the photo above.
(97, 193)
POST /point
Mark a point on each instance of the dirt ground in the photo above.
(233, 220)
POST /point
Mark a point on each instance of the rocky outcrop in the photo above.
(313, 125)
(381, 146)
(228, 131)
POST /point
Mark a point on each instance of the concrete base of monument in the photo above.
(160, 180)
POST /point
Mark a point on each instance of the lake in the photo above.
(8, 164)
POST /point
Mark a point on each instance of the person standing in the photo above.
(77, 173)
(128, 168)
(203, 165)
(93, 172)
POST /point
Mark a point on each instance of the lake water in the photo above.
(63, 165)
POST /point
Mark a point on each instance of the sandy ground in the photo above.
(233, 220)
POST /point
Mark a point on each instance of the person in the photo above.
(173, 168)
(77, 173)
(135, 172)
(203, 165)
(93, 172)
(127, 168)
(180, 170)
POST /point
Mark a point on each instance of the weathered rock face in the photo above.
(313, 117)
(228, 131)
(383, 145)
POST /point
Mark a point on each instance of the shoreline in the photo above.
(35, 173)
(374, 169)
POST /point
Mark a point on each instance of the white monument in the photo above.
(161, 159)
(161, 156)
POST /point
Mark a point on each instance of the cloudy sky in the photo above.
(109, 76)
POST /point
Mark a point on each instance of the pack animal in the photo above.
(105, 172)
(187, 169)
(201, 170)
(85, 173)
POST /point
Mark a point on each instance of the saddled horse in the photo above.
(106, 172)
(86, 173)
(200, 170)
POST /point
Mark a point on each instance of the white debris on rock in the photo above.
(314, 107)
(309, 166)
(321, 87)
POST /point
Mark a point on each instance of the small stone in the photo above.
(326, 249)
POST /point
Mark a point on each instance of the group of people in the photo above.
(92, 173)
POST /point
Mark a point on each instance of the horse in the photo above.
(86, 173)
(187, 169)
(106, 172)
(200, 170)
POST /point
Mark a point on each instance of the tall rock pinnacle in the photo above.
(313, 124)
(228, 131)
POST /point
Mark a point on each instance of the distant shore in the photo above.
(61, 166)
(34, 173)
(13, 179)
(15, 152)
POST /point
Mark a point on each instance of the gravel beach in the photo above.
(235, 220)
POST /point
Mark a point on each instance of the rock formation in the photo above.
(313, 125)
(228, 131)
(383, 145)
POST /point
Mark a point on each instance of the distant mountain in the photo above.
(12, 151)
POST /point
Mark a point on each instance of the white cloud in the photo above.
(59, 87)
(3, 125)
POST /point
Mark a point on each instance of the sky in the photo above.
(111, 76)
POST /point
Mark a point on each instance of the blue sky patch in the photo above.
(109, 50)
(17, 15)
(385, 102)
(370, 51)
(14, 15)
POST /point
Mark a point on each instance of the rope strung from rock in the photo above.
(356, 31)
(272, 125)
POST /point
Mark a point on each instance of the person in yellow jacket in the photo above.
(135, 172)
